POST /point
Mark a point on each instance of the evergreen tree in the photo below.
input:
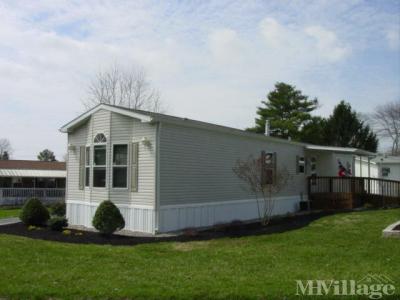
(345, 129)
(314, 132)
(287, 111)
(46, 155)
(5, 156)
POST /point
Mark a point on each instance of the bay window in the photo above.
(120, 166)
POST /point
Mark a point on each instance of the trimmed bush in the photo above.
(57, 223)
(58, 209)
(34, 213)
(108, 218)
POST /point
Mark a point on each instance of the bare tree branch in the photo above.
(386, 122)
(252, 172)
(131, 89)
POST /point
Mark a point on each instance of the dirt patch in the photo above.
(218, 231)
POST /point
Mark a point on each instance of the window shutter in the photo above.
(134, 167)
(297, 164)
(82, 153)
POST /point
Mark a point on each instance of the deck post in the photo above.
(369, 166)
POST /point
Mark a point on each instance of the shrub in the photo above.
(66, 232)
(58, 209)
(34, 213)
(57, 223)
(108, 218)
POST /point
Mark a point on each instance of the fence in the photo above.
(18, 196)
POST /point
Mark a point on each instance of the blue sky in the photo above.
(211, 60)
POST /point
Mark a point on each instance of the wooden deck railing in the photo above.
(350, 192)
(17, 196)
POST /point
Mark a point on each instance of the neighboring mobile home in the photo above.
(23, 179)
(389, 166)
(167, 173)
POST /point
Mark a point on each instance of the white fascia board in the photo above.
(66, 128)
(354, 151)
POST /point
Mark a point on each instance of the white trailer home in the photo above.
(167, 173)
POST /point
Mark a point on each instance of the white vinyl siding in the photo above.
(196, 165)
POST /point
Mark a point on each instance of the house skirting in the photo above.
(176, 217)
(142, 218)
(139, 218)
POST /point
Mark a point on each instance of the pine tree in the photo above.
(46, 155)
(287, 111)
(345, 129)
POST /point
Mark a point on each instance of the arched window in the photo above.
(100, 138)
(99, 160)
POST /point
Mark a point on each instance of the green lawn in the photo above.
(343, 246)
(9, 212)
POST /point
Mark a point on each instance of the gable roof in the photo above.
(70, 126)
(152, 117)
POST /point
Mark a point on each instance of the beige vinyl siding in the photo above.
(78, 138)
(196, 165)
(100, 123)
(125, 130)
(147, 163)
(118, 129)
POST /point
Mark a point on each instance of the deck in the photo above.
(352, 192)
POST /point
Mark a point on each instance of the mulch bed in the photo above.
(234, 229)
(397, 228)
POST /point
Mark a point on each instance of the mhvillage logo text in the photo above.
(374, 286)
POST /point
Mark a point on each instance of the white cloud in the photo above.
(226, 47)
(393, 38)
(327, 43)
(274, 33)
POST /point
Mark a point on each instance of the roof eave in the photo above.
(83, 117)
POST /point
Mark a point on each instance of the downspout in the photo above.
(157, 180)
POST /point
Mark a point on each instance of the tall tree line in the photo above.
(288, 112)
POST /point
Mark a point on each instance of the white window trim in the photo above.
(127, 167)
(93, 166)
(301, 162)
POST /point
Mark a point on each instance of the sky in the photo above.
(213, 61)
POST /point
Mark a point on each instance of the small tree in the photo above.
(46, 155)
(108, 218)
(5, 156)
(264, 180)
(5, 149)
